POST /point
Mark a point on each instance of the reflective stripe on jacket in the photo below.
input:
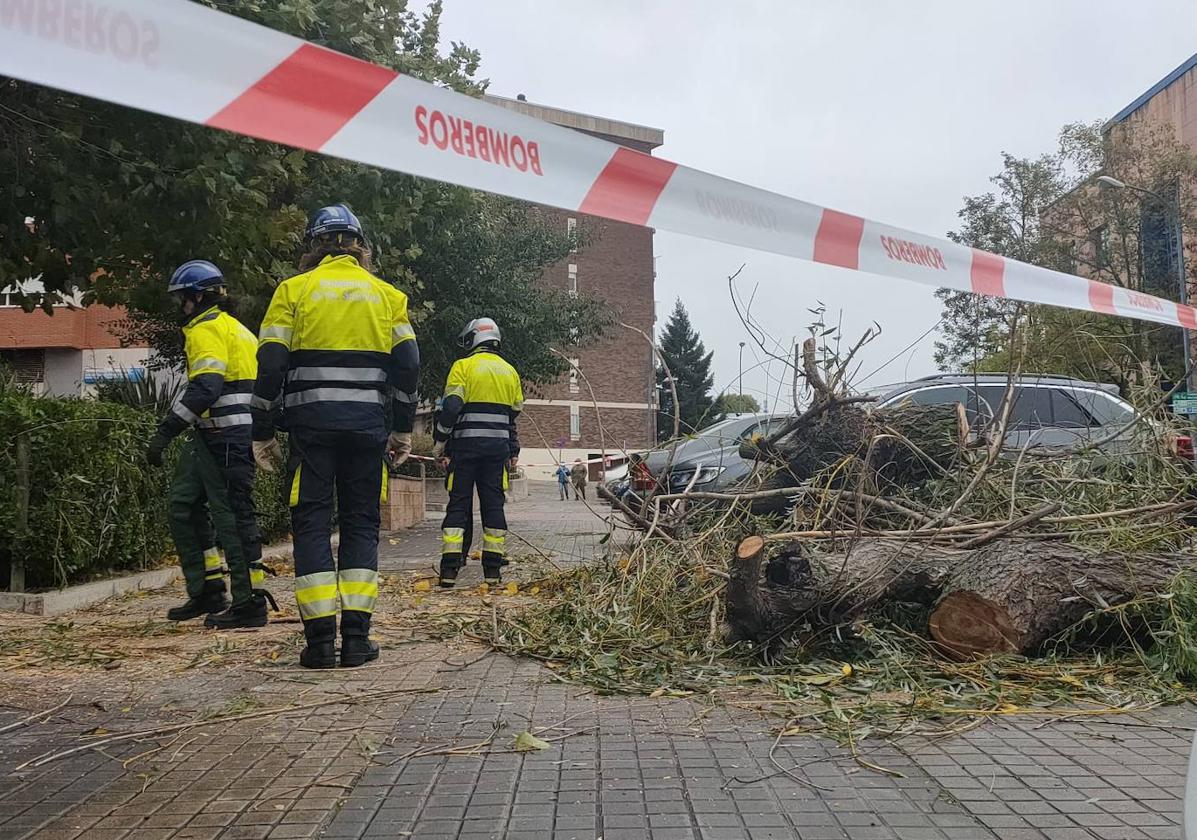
(221, 368)
(336, 344)
(483, 398)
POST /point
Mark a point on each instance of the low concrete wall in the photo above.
(436, 496)
(87, 594)
(405, 503)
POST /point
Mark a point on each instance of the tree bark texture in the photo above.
(1008, 596)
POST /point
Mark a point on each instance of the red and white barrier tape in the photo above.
(611, 458)
(188, 61)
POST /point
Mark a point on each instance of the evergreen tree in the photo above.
(690, 364)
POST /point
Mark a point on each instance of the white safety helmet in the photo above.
(478, 332)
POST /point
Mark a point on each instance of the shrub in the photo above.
(95, 506)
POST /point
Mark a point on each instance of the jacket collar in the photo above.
(211, 312)
(340, 258)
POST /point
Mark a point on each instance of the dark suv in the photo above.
(1049, 412)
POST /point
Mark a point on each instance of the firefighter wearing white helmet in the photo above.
(483, 398)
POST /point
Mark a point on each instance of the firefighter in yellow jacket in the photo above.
(483, 399)
(335, 348)
(215, 470)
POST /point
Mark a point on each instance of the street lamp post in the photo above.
(1173, 207)
(741, 385)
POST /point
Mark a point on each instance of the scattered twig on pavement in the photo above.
(45, 759)
(37, 716)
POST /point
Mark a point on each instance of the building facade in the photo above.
(1170, 101)
(66, 353)
(606, 403)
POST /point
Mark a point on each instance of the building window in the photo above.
(28, 366)
(573, 280)
(571, 230)
(575, 422)
(1099, 240)
(573, 375)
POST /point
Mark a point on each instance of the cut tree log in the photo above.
(1014, 595)
(767, 598)
(1006, 597)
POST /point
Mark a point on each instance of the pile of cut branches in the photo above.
(910, 504)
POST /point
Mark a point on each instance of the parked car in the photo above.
(710, 459)
(1049, 412)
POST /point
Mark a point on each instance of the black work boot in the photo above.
(357, 650)
(251, 613)
(319, 655)
(450, 566)
(211, 600)
(492, 575)
(321, 651)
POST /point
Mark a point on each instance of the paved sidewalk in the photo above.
(420, 744)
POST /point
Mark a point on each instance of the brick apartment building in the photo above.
(560, 422)
(66, 353)
(1170, 101)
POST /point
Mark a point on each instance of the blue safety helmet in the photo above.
(196, 276)
(335, 219)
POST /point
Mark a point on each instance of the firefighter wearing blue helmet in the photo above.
(214, 473)
(336, 351)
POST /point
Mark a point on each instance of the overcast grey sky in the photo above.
(890, 110)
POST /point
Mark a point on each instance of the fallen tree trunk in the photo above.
(769, 596)
(1008, 596)
(1012, 596)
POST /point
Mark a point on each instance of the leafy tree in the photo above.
(737, 404)
(690, 363)
(117, 198)
(1005, 222)
(1051, 211)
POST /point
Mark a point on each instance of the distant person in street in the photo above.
(215, 470)
(563, 481)
(483, 399)
(577, 475)
(336, 347)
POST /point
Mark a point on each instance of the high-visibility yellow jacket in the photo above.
(221, 368)
(341, 339)
(483, 399)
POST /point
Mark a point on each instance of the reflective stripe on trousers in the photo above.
(316, 595)
(213, 564)
(359, 589)
(452, 540)
(494, 541)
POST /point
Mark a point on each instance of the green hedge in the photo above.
(95, 508)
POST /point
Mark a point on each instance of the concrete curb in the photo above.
(62, 601)
(87, 594)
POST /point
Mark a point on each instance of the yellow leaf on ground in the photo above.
(512, 588)
(535, 590)
(484, 589)
(847, 670)
(422, 586)
(658, 692)
(526, 742)
(818, 679)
